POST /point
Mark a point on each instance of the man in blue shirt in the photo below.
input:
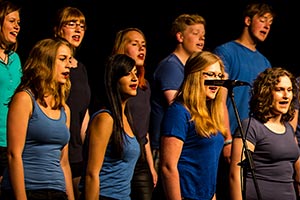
(242, 62)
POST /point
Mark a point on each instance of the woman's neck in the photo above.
(123, 106)
(3, 55)
(276, 125)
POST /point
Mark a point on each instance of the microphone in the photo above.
(226, 83)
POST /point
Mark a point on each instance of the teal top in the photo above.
(10, 78)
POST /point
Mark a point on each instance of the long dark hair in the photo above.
(117, 66)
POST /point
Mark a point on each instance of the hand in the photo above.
(74, 62)
(155, 154)
(154, 176)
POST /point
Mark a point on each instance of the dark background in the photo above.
(154, 18)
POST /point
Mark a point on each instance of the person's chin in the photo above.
(210, 97)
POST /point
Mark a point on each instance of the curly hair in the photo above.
(261, 102)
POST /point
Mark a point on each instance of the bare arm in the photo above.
(228, 137)
(18, 116)
(169, 95)
(214, 197)
(84, 125)
(297, 177)
(171, 148)
(294, 121)
(235, 172)
(150, 162)
(100, 131)
(64, 161)
(297, 174)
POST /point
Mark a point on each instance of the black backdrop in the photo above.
(105, 18)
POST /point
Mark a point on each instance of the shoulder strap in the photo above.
(31, 95)
(100, 111)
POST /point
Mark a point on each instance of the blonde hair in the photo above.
(182, 21)
(206, 114)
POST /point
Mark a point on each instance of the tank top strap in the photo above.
(31, 95)
(100, 111)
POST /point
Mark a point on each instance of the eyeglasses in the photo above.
(74, 25)
(213, 74)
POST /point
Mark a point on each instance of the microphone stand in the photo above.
(248, 162)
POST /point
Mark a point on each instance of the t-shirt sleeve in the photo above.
(175, 122)
(171, 76)
(249, 130)
(224, 55)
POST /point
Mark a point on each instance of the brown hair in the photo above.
(258, 9)
(65, 15)
(39, 69)
(6, 7)
(262, 98)
(119, 48)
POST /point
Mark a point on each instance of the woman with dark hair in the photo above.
(111, 148)
(271, 140)
(132, 42)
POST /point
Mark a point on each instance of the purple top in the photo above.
(274, 157)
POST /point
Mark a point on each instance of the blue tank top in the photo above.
(45, 139)
(116, 174)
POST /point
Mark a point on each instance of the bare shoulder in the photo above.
(22, 97)
(101, 126)
(103, 117)
(67, 109)
(21, 103)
